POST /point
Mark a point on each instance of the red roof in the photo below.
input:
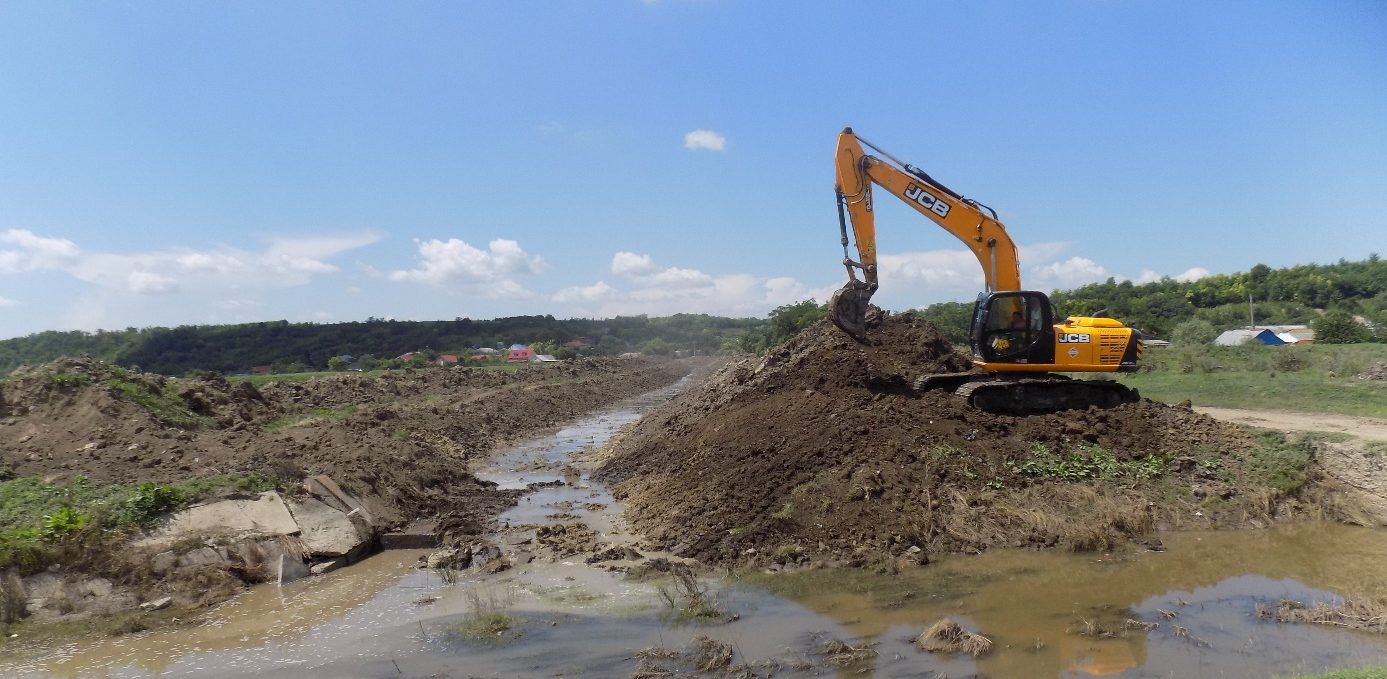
(448, 358)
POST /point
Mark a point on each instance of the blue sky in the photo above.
(189, 163)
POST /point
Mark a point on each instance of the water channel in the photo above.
(386, 618)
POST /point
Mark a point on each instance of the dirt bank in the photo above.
(401, 442)
(817, 453)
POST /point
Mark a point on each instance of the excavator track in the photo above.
(1032, 395)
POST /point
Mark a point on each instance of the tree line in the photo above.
(1320, 294)
(239, 347)
(1297, 295)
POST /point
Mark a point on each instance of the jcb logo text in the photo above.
(1073, 338)
(927, 201)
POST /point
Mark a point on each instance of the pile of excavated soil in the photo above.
(820, 453)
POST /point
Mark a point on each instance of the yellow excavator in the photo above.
(1017, 342)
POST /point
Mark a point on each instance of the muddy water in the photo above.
(385, 618)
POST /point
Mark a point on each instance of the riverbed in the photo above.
(1048, 613)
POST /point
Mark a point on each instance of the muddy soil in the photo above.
(401, 442)
(818, 454)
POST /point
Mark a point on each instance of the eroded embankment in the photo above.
(817, 454)
(91, 454)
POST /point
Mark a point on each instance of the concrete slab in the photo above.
(417, 535)
(324, 530)
(265, 515)
(290, 569)
(327, 490)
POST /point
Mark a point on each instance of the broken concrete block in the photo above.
(157, 604)
(324, 530)
(264, 515)
(202, 556)
(327, 566)
(327, 490)
(417, 535)
(163, 562)
(290, 569)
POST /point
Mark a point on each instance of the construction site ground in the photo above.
(816, 457)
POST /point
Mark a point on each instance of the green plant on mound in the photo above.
(314, 416)
(1280, 462)
(38, 519)
(1086, 463)
(1360, 673)
(161, 402)
(67, 379)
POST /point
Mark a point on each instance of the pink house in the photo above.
(522, 355)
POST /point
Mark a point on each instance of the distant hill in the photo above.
(237, 348)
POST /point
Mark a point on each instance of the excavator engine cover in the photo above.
(848, 308)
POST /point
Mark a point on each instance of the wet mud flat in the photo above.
(552, 613)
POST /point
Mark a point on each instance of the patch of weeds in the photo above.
(711, 655)
(1280, 462)
(784, 514)
(68, 380)
(1086, 463)
(786, 552)
(159, 401)
(488, 619)
(309, 418)
(63, 522)
(686, 597)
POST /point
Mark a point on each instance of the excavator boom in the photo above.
(1014, 334)
(971, 222)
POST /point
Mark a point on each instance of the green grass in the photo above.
(34, 514)
(1317, 379)
(1280, 461)
(1362, 673)
(163, 403)
(1085, 463)
(313, 416)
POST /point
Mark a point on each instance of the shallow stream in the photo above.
(386, 618)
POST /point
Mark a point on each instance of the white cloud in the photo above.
(150, 283)
(946, 270)
(584, 293)
(631, 264)
(6, 301)
(454, 260)
(1148, 276)
(643, 269)
(704, 140)
(1192, 274)
(32, 252)
(1070, 273)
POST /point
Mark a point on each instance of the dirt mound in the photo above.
(1377, 372)
(820, 452)
(400, 440)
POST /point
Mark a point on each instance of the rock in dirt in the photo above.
(157, 604)
(325, 531)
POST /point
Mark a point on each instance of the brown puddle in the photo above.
(384, 618)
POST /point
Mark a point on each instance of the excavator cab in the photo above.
(1015, 326)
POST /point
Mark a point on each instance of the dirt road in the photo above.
(1369, 428)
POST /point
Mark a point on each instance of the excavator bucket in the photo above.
(847, 308)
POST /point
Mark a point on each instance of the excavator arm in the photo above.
(969, 221)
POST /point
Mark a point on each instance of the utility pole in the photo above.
(1251, 320)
